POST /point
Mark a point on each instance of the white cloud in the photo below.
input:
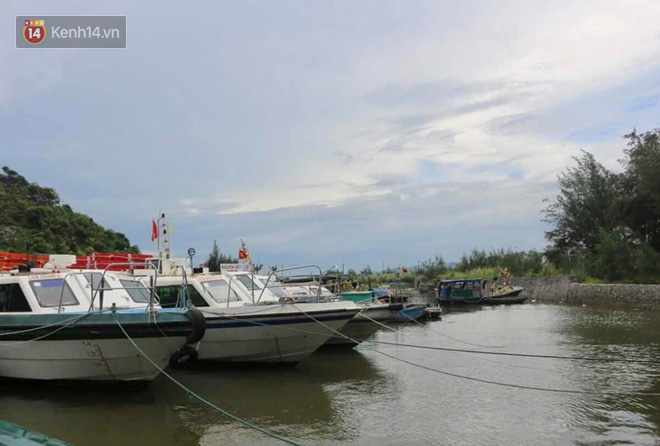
(329, 109)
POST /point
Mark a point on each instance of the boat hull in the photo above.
(362, 326)
(93, 348)
(410, 313)
(277, 334)
(513, 297)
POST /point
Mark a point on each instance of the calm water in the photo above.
(362, 397)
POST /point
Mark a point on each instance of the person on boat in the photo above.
(443, 292)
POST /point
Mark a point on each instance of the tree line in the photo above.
(605, 225)
(33, 220)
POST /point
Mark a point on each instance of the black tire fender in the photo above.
(179, 359)
(197, 325)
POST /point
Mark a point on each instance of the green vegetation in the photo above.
(606, 227)
(216, 258)
(607, 224)
(32, 220)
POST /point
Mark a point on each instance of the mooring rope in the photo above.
(208, 403)
(516, 386)
(78, 316)
(497, 383)
(72, 321)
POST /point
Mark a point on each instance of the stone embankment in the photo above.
(566, 289)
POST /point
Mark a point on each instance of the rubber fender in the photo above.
(198, 326)
(179, 359)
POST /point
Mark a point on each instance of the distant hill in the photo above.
(32, 220)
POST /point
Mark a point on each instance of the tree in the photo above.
(640, 207)
(586, 204)
(433, 267)
(213, 262)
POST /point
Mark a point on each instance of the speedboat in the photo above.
(86, 325)
(374, 312)
(248, 322)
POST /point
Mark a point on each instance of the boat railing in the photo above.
(293, 268)
(102, 284)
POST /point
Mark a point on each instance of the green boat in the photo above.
(478, 291)
(358, 296)
(15, 435)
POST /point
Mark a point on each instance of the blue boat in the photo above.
(410, 313)
(14, 435)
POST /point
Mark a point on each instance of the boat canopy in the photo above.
(454, 281)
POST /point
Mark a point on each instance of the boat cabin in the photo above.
(47, 291)
(213, 290)
(463, 289)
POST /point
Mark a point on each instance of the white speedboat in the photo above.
(246, 322)
(73, 325)
(373, 313)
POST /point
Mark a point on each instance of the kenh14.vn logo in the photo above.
(34, 31)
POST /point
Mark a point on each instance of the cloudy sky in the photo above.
(372, 132)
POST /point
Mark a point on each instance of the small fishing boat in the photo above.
(507, 294)
(83, 325)
(14, 435)
(410, 312)
(433, 313)
(478, 291)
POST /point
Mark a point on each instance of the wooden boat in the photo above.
(14, 435)
(410, 312)
(507, 295)
(478, 291)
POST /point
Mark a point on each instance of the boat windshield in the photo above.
(94, 280)
(273, 287)
(219, 290)
(51, 292)
(248, 282)
(135, 289)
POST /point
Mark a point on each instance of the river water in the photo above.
(364, 397)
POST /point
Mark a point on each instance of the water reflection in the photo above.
(361, 397)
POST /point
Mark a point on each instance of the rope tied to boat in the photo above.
(199, 398)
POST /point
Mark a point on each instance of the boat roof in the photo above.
(450, 281)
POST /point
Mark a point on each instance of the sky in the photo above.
(375, 133)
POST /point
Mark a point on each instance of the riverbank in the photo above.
(567, 289)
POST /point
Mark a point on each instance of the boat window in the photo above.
(135, 289)
(94, 279)
(168, 296)
(52, 292)
(12, 299)
(247, 282)
(219, 290)
(276, 290)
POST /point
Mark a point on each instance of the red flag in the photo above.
(154, 230)
(242, 254)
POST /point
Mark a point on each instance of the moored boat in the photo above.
(14, 435)
(82, 325)
(410, 312)
(246, 322)
(478, 291)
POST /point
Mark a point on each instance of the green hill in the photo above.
(32, 220)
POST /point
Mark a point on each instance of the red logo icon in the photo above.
(34, 31)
